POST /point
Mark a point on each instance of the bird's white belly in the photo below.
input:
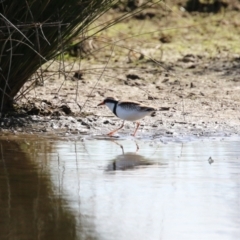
(131, 114)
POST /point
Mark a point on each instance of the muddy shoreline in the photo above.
(98, 127)
(194, 102)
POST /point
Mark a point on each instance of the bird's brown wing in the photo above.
(130, 104)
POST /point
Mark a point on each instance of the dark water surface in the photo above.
(89, 189)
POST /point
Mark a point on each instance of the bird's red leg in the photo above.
(136, 129)
(112, 132)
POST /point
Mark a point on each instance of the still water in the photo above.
(101, 189)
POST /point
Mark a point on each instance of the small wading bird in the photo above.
(127, 110)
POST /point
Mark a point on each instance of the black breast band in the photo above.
(115, 108)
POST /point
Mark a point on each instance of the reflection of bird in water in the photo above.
(128, 161)
(127, 110)
(121, 146)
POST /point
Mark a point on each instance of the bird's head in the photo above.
(108, 100)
